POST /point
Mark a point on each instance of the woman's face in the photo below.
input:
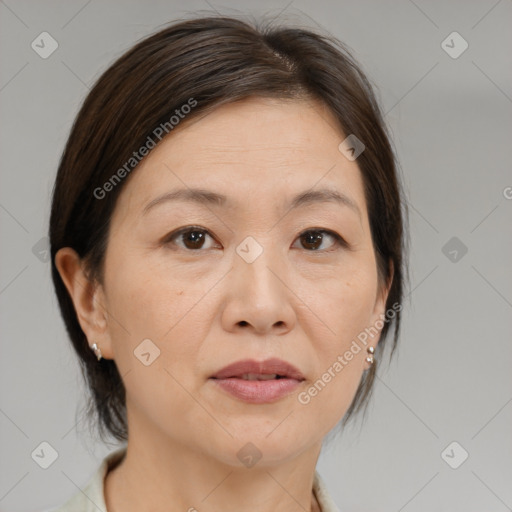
(260, 274)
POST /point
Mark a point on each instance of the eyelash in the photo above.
(338, 240)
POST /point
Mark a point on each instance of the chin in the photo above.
(259, 444)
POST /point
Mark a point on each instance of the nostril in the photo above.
(243, 323)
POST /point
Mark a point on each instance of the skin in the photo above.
(205, 308)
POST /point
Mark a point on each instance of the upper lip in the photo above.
(267, 367)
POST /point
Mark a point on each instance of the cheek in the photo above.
(327, 399)
(352, 312)
(343, 300)
(158, 306)
(166, 306)
(151, 300)
(345, 307)
(339, 358)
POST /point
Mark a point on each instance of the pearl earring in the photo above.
(97, 350)
(370, 359)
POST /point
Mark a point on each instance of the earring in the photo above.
(97, 350)
(370, 359)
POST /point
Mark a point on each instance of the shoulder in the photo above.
(91, 498)
(322, 495)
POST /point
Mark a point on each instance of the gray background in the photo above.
(452, 125)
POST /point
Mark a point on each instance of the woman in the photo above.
(228, 254)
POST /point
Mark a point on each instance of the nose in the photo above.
(258, 298)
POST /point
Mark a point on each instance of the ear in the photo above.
(379, 310)
(88, 299)
(383, 292)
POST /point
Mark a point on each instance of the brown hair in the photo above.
(214, 60)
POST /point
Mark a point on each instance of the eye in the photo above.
(316, 239)
(191, 238)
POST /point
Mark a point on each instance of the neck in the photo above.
(160, 475)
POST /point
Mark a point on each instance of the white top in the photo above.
(92, 498)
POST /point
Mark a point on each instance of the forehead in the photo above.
(255, 147)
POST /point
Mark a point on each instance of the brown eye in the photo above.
(313, 239)
(191, 238)
(194, 239)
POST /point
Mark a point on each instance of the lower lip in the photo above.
(258, 391)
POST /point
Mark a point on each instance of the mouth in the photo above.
(259, 382)
(248, 369)
(259, 376)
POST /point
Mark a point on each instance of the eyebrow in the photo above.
(207, 197)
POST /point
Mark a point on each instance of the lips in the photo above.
(249, 369)
(256, 382)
